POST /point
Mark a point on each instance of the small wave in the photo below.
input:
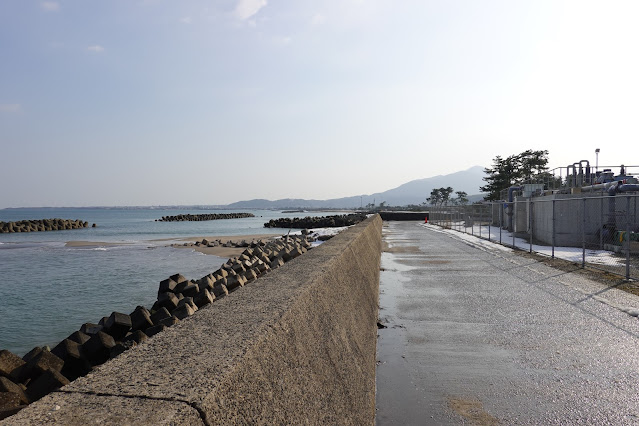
(100, 249)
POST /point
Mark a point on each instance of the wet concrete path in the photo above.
(476, 334)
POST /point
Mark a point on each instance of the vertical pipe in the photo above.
(553, 229)
(583, 233)
(628, 237)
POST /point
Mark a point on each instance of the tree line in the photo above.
(526, 167)
(530, 166)
(442, 196)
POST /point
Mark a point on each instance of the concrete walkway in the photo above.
(477, 334)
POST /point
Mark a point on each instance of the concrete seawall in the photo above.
(296, 346)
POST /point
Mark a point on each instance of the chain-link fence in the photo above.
(600, 231)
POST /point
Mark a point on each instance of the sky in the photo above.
(157, 102)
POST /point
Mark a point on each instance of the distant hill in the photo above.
(413, 192)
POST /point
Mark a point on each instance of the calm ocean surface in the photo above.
(49, 290)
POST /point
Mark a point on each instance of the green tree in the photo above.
(435, 197)
(527, 167)
(461, 199)
(440, 196)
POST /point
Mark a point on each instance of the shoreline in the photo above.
(93, 244)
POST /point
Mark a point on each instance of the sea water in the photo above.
(48, 289)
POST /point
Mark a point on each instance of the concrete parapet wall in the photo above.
(296, 346)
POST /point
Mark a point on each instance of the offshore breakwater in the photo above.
(316, 221)
(297, 346)
(203, 217)
(41, 225)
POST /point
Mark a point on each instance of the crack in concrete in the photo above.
(191, 404)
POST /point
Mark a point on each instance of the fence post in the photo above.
(454, 218)
(513, 219)
(492, 217)
(530, 223)
(481, 217)
(601, 215)
(553, 229)
(628, 237)
(501, 219)
(472, 219)
(583, 233)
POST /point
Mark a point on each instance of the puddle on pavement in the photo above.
(421, 261)
(391, 263)
(398, 400)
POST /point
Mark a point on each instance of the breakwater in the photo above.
(41, 225)
(203, 217)
(404, 216)
(316, 222)
(41, 370)
(298, 346)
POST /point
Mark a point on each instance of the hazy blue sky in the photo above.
(207, 102)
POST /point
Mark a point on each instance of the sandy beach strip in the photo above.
(220, 251)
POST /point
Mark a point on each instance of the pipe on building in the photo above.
(509, 207)
(511, 190)
(628, 187)
(599, 186)
(613, 189)
(587, 170)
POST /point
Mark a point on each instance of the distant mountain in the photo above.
(413, 192)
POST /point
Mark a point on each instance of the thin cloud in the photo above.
(318, 19)
(247, 8)
(282, 40)
(95, 48)
(50, 6)
(185, 20)
(10, 108)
